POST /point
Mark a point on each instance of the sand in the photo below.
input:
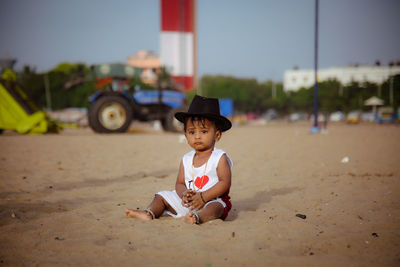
(63, 196)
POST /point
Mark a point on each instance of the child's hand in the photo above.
(187, 198)
(196, 202)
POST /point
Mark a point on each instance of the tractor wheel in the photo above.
(171, 124)
(110, 114)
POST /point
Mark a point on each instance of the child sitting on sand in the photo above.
(202, 187)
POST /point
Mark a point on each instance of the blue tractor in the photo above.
(115, 104)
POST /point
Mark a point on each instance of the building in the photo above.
(177, 47)
(149, 62)
(293, 80)
(178, 41)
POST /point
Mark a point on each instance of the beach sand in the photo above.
(63, 197)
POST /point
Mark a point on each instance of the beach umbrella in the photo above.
(374, 101)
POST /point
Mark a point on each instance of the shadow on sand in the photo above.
(254, 202)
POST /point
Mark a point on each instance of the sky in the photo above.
(242, 38)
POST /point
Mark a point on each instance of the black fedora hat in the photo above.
(205, 107)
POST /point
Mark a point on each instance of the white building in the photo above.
(293, 80)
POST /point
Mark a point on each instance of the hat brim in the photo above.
(224, 123)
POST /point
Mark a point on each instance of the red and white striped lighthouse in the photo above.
(178, 40)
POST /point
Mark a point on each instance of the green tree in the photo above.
(61, 97)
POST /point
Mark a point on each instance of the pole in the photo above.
(391, 90)
(273, 90)
(315, 127)
(47, 90)
(194, 17)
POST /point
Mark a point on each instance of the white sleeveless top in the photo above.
(201, 179)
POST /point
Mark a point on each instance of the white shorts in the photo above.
(176, 203)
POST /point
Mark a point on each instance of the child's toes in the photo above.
(190, 219)
(127, 212)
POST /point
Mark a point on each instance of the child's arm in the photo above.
(180, 186)
(223, 185)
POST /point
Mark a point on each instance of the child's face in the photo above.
(201, 134)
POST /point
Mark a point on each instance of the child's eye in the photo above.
(191, 132)
(204, 131)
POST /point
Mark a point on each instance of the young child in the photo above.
(202, 187)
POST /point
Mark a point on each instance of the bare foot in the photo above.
(189, 218)
(138, 214)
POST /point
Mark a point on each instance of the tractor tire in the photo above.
(171, 124)
(110, 114)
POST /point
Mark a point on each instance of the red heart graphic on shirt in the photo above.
(201, 182)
